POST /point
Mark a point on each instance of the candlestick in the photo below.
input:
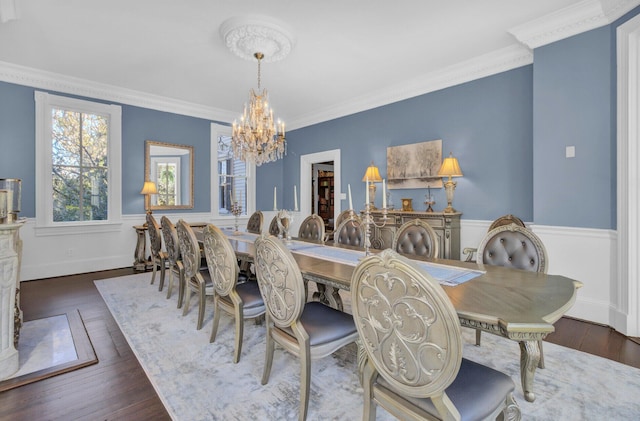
(384, 194)
(275, 203)
(295, 198)
(350, 201)
(366, 191)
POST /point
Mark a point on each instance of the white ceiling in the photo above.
(348, 55)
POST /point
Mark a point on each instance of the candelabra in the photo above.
(368, 222)
(236, 210)
(285, 218)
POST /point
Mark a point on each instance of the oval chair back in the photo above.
(170, 236)
(254, 224)
(312, 229)
(416, 238)
(349, 233)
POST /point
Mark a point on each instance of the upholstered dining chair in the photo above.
(410, 348)
(241, 300)
(274, 228)
(349, 233)
(174, 257)
(158, 256)
(503, 220)
(342, 216)
(312, 229)
(254, 224)
(308, 330)
(416, 238)
(197, 278)
(515, 247)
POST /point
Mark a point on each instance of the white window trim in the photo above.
(44, 200)
(218, 130)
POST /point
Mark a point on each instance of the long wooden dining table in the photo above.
(515, 304)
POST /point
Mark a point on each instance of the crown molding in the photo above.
(572, 20)
(507, 58)
(39, 79)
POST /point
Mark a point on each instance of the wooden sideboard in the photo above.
(446, 226)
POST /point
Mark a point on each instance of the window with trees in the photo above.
(78, 156)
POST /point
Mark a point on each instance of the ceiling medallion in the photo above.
(244, 36)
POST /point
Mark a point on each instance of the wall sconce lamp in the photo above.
(450, 168)
(148, 189)
(371, 176)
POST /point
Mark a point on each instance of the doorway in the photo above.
(322, 182)
(307, 192)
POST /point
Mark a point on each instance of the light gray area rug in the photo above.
(197, 380)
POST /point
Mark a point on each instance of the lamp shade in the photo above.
(450, 167)
(372, 174)
(149, 188)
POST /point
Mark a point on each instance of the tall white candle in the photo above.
(384, 194)
(295, 198)
(9, 201)
(3, 203)
(366, 192)
(350, 201)
(275, 203)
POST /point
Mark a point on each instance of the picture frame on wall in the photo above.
(414, 166)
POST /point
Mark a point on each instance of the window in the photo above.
(78, 161)
(233, 177)
(164, 172)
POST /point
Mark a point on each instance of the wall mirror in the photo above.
(171, 168)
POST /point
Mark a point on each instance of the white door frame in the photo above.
(625, 312)
(306, 161)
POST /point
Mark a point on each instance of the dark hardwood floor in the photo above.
(116, 388)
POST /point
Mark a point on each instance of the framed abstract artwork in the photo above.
(414, 166)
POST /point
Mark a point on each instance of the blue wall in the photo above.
(17, 142)
(486, 123)
(140, 124)
(572, 106)
(509, 132)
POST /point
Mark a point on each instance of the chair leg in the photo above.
(181, 287)
(268, 358)
(170, 284)
(163, 264)
(239, 331)
(216, 319)
(201, 304)
(541, 362)
(305, 380)
(155, 268)
(478, 335)
(186, 300)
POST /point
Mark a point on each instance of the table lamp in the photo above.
(372, 175)
(450, 168)
(148, 189)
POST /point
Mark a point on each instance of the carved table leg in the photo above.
(140, 261)
(529, 360)
(328, 295)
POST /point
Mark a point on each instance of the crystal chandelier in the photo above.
(256, 138)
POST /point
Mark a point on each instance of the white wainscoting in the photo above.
(45, 256)
(588, 255)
